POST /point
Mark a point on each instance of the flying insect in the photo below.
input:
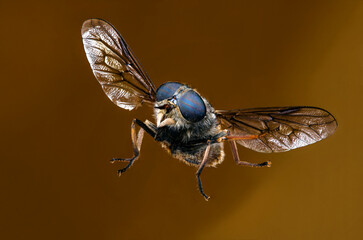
(186, 124)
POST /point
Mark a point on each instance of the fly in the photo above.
(186, 124)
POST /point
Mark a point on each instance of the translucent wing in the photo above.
(278, 129)
(115, 66)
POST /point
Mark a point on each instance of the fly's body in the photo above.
(186, 124)
(187, 140)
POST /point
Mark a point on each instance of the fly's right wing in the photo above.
(277, 129)
(115, 66)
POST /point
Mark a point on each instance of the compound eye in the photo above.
(192, 106)
(167, 90)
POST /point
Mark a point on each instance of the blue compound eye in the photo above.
(191, 106)
(167, 90)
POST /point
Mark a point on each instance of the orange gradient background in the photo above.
(59, 130)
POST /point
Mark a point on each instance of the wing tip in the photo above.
(333, 123)
(91, 23)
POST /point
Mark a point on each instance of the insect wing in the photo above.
(115, 66)
(278, 129)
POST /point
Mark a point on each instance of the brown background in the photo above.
(59, 130)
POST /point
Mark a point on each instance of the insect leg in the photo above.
(236, 138)
(136, 143)
(224, 135)
(205, 157)
(243, 163)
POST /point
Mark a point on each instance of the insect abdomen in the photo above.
(190, 151)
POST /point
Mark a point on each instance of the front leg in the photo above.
(136, 143)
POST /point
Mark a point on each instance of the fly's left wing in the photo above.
(115, 66)
(277, 129)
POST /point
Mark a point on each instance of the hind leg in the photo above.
(244, 163)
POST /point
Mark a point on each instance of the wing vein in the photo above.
(246, 124)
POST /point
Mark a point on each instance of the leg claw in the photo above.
(119, 172)
(206, 197)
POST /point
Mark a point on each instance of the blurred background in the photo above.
(59, 130)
